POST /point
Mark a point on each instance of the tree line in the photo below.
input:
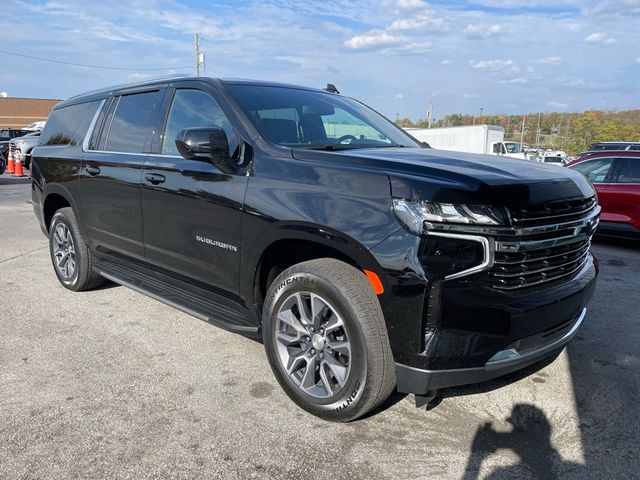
(571, 132)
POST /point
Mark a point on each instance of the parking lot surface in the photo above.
(112, 384)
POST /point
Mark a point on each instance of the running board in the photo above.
(203, 304)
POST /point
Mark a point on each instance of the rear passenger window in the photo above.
(194, 108)
(68, 125)
(131, 126)
(630, 171)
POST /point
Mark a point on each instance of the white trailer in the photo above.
(487, 139)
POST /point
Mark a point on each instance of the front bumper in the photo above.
(516, 356)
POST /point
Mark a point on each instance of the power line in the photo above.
(89, 66)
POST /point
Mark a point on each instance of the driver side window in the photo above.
(194, 108)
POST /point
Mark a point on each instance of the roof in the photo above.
(18, 112)
(94, 94)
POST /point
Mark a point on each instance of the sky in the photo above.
(504, 56)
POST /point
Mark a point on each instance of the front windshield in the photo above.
(309, 119)
(513, 147)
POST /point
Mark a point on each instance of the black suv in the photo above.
(362, 259)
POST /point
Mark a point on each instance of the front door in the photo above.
(192, 211)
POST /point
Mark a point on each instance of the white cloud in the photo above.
(554, 104)
(410, 4)
(374, 38)
(446, 61)
(409, 48)
(470, 95)
(493, 65)
(600, 37)
(513, 80)
(398, 96)
(637, 59)
(549, 60)
(616, 7)
(481, 31)
(425, 21)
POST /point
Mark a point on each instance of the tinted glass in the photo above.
(630, 171)
(194, 108)
(595, 170)
(68, 125)
(132, 124)
(314, 119)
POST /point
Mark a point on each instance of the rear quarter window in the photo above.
(68, 125)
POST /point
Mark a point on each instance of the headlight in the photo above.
(414, 214)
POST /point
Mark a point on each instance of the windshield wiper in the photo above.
(329, 148)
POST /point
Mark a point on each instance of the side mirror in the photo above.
(206, 143)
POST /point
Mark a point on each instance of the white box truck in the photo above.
(487, 139)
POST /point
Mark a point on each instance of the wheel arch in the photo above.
(55, 198)
(289, 244)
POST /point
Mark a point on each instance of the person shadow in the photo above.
(530, 440)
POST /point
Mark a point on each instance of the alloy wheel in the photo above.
(313, 344)
(64, 252)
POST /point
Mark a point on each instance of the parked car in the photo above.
(22, 146)
(616, 177)
(39, 125)
(7, 134)
(609, 146)
(361, 259)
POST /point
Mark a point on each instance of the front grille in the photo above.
(542, 249)
(525, 269)
(552, 212)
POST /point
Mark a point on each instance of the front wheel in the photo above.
(326, 340)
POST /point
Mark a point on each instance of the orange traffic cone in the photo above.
(18, 168)
(10, 168)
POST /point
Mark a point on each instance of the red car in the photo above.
(616, 176)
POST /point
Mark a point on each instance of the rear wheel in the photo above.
(326, 340)
(70, 255)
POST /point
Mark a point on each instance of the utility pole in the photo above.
(524, 119)
(538, 130)
(481, 110)
(430, 114)
(199, 54)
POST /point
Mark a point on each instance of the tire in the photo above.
(65, 238)
(341, 365)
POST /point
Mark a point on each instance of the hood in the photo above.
(455, 177)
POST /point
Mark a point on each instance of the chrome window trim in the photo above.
(117, 153)
(487, 260)
(92, 126)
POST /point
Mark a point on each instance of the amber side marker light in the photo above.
(375, 282)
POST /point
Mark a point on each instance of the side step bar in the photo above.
(203, 304)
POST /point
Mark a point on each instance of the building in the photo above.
(20, 112)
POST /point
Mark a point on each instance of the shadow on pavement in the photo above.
(529, 439)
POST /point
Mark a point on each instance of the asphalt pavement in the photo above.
(113, 384)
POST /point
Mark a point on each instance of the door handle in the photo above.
(92, 170)
(154, 178)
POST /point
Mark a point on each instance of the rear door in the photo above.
(112, 169)
(192, 211)
(623, 193)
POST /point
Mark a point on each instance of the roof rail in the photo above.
(132, 84)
